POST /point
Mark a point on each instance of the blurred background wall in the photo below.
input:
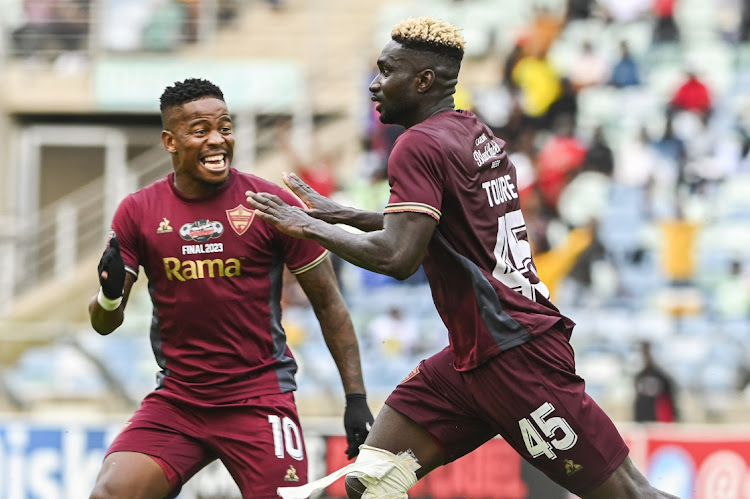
(628, 121)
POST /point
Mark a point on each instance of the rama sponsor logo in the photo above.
(188, 270)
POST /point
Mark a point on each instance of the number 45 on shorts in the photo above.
(542, 443)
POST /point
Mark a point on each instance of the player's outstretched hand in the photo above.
(319, 206)
(291, 220)
(112, 270)
(357, 422)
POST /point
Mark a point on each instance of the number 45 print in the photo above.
(543, 443)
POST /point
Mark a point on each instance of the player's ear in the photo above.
(167, 138)
(425, 79)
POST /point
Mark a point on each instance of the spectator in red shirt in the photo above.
(559, 158)
(692, 95)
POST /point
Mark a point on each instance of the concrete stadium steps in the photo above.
(329, 38)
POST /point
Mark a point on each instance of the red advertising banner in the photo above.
(694, 462)
(493, 470)
(686, 461)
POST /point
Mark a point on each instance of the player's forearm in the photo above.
(103, 321)
(341, 340)
(370, 251)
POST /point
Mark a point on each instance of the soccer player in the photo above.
(226, 385)
(454, 208)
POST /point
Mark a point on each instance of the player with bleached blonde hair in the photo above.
(454, 208)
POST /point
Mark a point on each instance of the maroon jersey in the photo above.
(483, 280)
(214, 275)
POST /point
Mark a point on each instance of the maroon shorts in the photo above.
(531, 396)
(259, 440)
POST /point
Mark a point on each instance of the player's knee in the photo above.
(379, 473)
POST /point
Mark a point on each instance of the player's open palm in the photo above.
(290, 220)
(319, 206)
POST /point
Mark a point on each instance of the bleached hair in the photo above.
(429, 31)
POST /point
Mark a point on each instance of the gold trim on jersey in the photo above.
(310, 265)
(415, 208)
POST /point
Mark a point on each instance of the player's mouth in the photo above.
(215, 162)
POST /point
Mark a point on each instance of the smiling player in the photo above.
(226, 386)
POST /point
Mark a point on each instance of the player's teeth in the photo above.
(218, 157)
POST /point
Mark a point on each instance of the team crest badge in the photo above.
(409, 376)
(240, 218)
(291, 475)
(572, 468)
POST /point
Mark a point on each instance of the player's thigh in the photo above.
(130, 475)
(159, 434)
(431, 413)
(394, 432)
(260, 441)
(541, 408)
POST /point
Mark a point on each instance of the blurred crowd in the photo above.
(629, 125)
(50, 29)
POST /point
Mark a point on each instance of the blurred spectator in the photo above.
(625, 72)
(538, 219)
(678, 248)
(589, 67)
(599, 156)
(509, 64)
(319, 174)
(565, 107)
(36, 33)
(732, 293)
(463, 99)
(369, 192)
(655, 391)
(579, 9)
(318, 170)
(544, 29)
(665, 27)
(192, 19)
(743, 30)
(625, 11)
(672, 152)
(393, 333)
(691, 95)
(523, 157)
(636, 161)
(539, 85)
(555, 264)
(70, 25)
(560, 157)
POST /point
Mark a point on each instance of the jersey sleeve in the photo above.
(126, 230)
(300, 255)
(416, 175)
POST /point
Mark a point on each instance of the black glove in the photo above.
(357, 422)
(111, 263)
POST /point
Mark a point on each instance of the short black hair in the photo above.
(188, 90)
